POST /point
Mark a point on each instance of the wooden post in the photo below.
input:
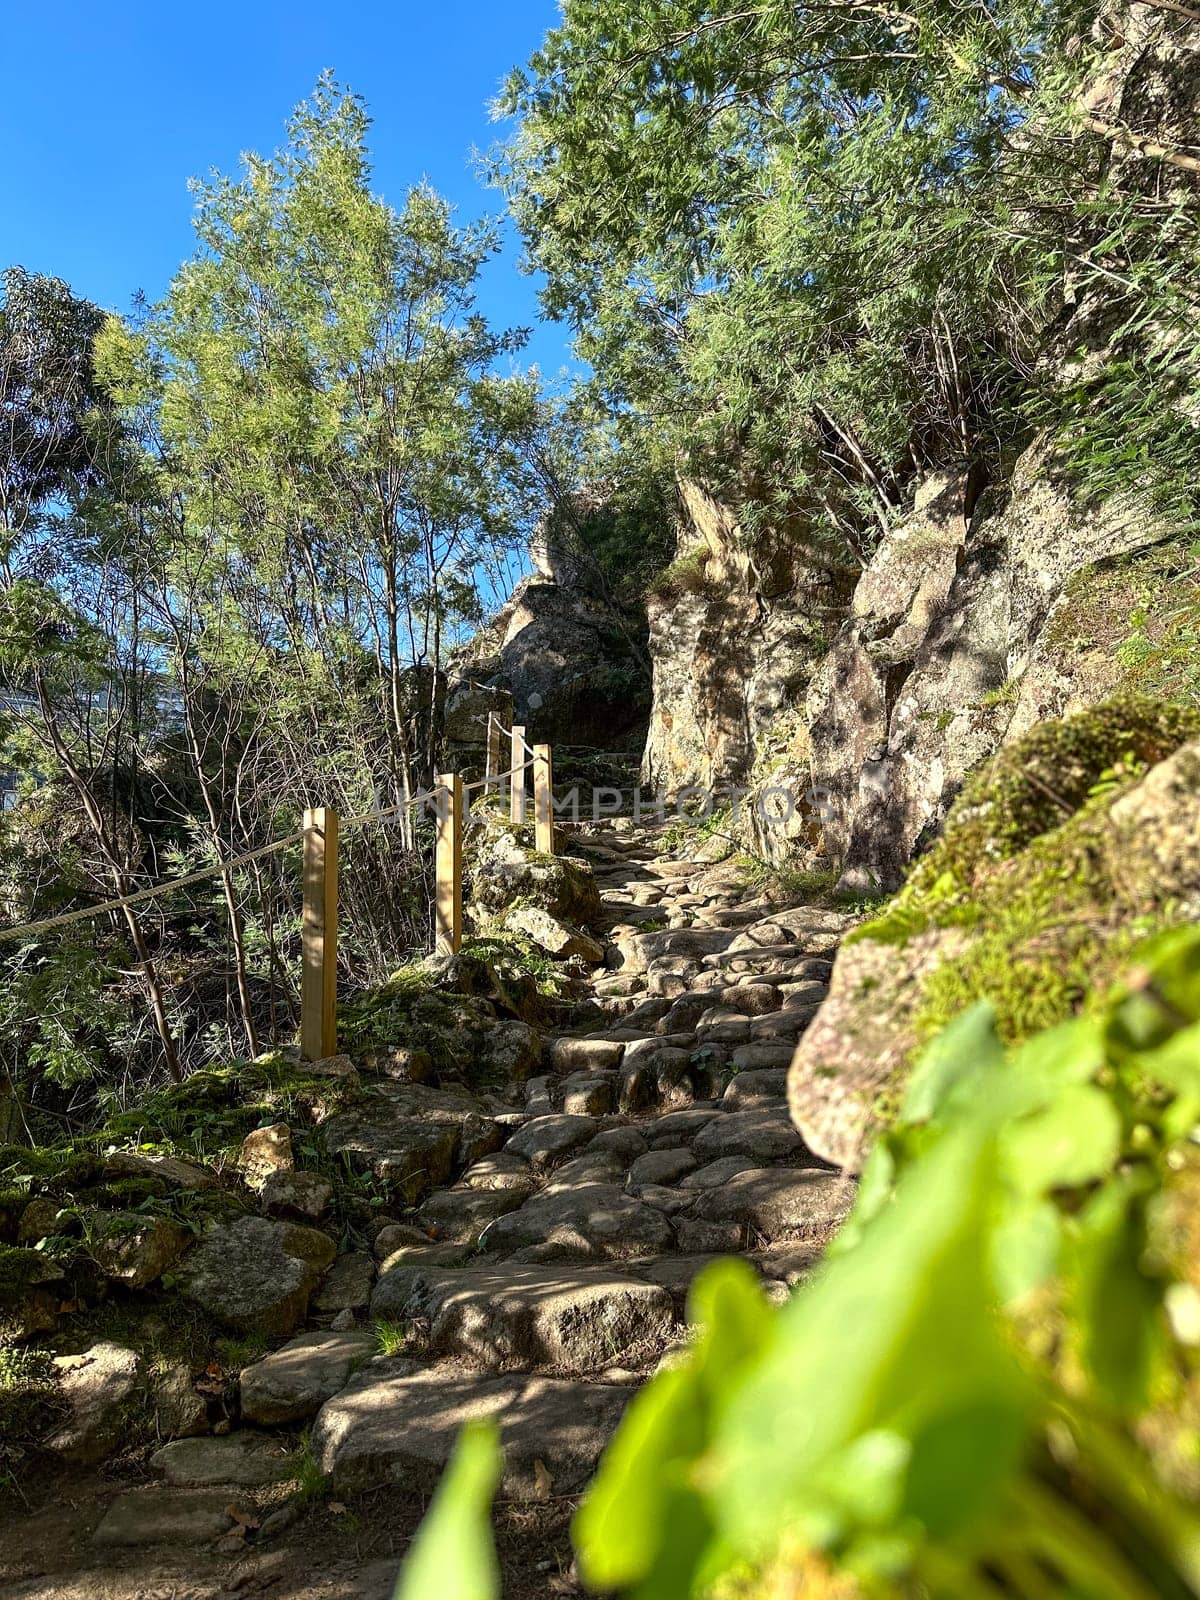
(516, 812)
(448, 905)
(491, 766)
(543, 800)
(318, 935)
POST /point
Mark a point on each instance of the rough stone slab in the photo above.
(766, 1206)
(761, 1086)
(347, 1284)
(677, 1127)
(590, 1166)
(504, 1170)
(756, 1057)
(765, 1133)
(545, 1140)
(586, 1055)
(170, 1169)
(165, 1516)
(410, 1135)
(782, 1026)
(245, 1459)
(626, 1144)
(402, 1430)
(717, 1172)
(295, 1382)
(459, 1215)
(581, 1318)
(589, 1094)
(660, 1167)
(596, 1219)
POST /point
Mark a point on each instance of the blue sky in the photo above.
(106, 110)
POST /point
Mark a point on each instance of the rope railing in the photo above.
(319, 836)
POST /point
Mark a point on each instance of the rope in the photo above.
(142, 895)
(139, 897)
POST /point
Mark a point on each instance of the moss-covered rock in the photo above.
(29, 1293)
(1060, 856)
(502, 870)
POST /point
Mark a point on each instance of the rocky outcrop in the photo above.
(1078, 841)
(951, 648)
(563, 657)
(734, 643)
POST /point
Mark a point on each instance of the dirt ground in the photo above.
(333, 1551)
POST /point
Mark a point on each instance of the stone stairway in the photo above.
(541, 1270)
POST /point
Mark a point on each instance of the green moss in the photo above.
(19, 1270)
(29, 1395)
(1026, 867)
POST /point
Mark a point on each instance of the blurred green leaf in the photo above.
(453, 1556)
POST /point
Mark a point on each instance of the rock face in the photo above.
(564, 657)
(733, 647)
(257, 1274)
(936, 649)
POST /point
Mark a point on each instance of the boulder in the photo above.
(256, 1274)
(99, 1388)
(136, 1250)
(300, 1194)
(244, 1458)
(501, 870)
(294, 1382)
(266, 1151)
(509, 1052)
(179, 1412)
(557, 939)
(31, 1287)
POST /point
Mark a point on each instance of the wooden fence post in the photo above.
(448, 911)
(491, 764)
(543, 799)
(318, 935)
(516, 811)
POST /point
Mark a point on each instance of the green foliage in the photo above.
(453, 1554)
(814, 252)
(980, 1391)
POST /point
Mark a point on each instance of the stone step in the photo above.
(575, 1318)
(766, 1206)
(395, 1427)
(596, 1220)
